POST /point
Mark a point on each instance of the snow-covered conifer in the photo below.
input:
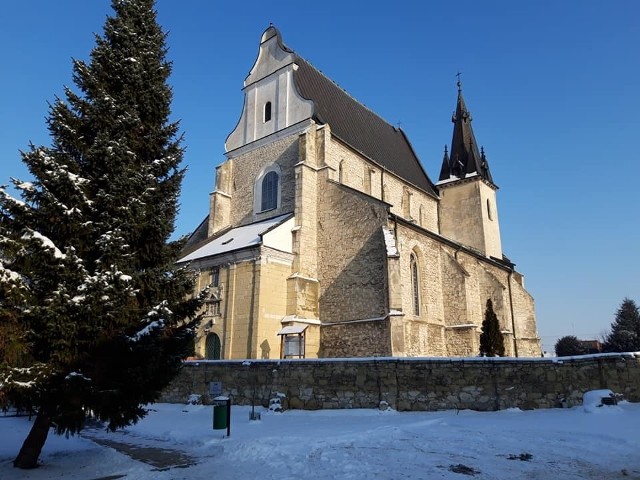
(88, 282)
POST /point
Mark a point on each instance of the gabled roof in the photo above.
(235, 239)
(355, 124)
(465, 159)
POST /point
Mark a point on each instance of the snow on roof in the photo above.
(291, 329)
(235, 239)
(453, 178)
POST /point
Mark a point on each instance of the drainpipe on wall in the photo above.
(513, 320)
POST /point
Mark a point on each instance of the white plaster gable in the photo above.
(280, 237)
(270, 80)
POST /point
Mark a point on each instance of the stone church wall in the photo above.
(411, 384)
(363, 339)
(352, 274)
(247, 167)
(454, 288)
(524, 318)
(463, 341)
(356, 172)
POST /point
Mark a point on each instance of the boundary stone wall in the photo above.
(412, 384)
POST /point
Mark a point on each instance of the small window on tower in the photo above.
(489, 214)
(267, 112)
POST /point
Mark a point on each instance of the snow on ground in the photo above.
(586, 442)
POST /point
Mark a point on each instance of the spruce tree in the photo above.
(491, 339)
(625, 329)
(88, 282)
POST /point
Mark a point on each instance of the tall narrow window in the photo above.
(215, 276)
(341, 172)
(266, 189)
(269, 191)
(489, 214)
(267, 112)
(415, 285)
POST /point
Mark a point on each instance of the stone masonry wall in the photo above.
(412, 384)
(353, 170)
(246, 168)
(352, 274)
(454, 287)
(356, 339)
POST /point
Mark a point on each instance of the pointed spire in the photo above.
(445, 171)
(465, 159)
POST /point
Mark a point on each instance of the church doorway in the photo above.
(212, 347)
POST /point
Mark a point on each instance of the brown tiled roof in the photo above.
(359, 127)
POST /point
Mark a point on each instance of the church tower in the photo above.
(468, 211)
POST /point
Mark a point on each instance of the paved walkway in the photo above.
(159, 458)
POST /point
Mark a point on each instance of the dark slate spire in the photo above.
(465, 158)
(445, 171)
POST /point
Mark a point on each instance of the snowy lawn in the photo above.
(580, 443)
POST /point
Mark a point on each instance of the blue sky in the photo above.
(553, 87)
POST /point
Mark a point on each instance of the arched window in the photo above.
(489, 214)
(269, 191)
(266, 189)
(341, 172)
(212, 347)
(267, 112)
(415, 284)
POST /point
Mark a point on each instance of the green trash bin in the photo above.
(219, 417)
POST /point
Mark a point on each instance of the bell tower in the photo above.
(468, 211)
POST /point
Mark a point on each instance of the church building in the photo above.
(326, 237)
